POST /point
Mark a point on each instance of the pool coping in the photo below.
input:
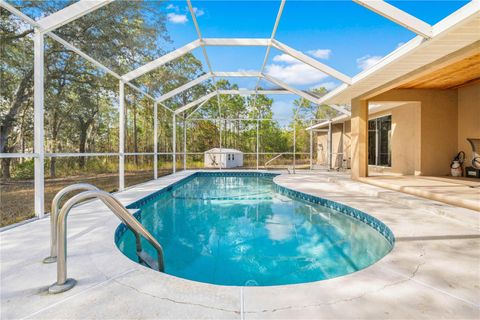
(98, 265)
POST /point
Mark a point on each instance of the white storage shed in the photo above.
(224, 158)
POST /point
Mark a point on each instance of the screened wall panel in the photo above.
(240, 135)
(17, 192)
(138, 169)
(101, 171)
(165, 129)
(138, 122)
(203, 135)
(81, 104)
(16, 89)
(164, 164)
(275, 161)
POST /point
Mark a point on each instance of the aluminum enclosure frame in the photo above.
(46, 25)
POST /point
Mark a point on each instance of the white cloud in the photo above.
(285, 58)
(367, 61)
(198, 12)
(177, 18)
(172, 7)
(294, 72)
(320, 53)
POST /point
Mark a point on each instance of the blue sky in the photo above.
(341, 34)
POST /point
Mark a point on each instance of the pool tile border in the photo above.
(361, 216)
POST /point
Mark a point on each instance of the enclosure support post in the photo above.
(174, 143)
(257, 144)
(121, 136)
(38, 124)
(311, 146)
(329, 145)
(294, 142)
(184, 141)
(220, 130)
(220, 144)
(342, 144)
(155, 140)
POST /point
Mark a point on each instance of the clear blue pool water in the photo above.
(241, 230)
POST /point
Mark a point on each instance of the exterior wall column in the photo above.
(359, 137)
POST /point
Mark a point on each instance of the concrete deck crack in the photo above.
(333, 302)
(178, 301)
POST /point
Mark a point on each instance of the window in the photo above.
(233, 156)
(379, 141)
(229, 157)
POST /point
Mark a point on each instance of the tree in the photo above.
(121, 35)
(310, 110)
(16, 74)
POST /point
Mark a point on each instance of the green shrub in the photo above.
(24, 170)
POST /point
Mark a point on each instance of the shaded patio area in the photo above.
(462, 192)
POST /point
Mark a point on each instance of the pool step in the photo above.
(147, 260)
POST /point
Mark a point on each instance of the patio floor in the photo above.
(462, 192)
(433, 271)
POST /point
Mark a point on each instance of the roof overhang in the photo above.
(452, 34)
(373, 107)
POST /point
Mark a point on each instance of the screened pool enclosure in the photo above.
(113, 107)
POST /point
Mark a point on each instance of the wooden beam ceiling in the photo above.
(454, 75)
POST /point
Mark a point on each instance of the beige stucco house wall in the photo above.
(438, 126)
(405, 140)
(468, 116)
(427, 131)
(340, 145)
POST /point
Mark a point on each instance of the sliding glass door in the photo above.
(379, 141)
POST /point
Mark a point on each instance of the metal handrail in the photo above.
(64, 284)
(54, 214)
(274, 158)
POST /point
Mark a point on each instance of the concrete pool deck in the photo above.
(432, 272)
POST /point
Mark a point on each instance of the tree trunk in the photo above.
(81, 147)
(8, 123)
(6, 168)
(55, 130)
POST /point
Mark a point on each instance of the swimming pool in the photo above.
(232, 228)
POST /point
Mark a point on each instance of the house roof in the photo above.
(223, 150)
(372, 108)
(455, 32)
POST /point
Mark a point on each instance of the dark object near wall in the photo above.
(472, 172)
